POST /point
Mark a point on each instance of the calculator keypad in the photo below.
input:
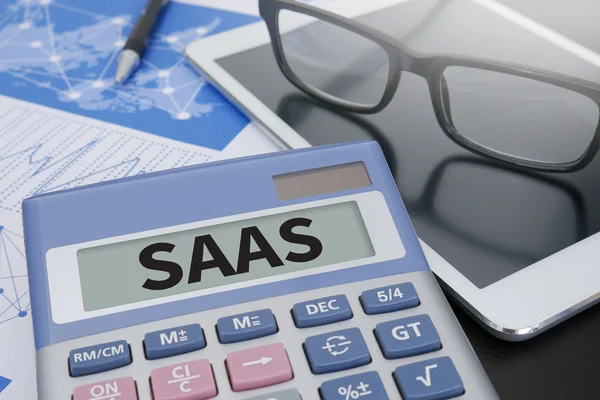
(247, 326)
(336, 351)
(187, 381)
(120, 388)
(264, 365)
(407, 337)
(99, 358)
(174, 341)
(258, 367)
(435, 379)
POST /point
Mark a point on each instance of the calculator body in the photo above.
(288, 276)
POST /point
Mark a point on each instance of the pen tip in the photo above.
(128, 62)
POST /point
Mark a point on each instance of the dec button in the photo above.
(326, 310)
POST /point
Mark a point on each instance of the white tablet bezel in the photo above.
(515, 308)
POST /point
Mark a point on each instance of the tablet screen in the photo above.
(487, 219)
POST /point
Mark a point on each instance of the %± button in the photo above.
(326, 310)
(365, 386)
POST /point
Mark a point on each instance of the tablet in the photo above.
(518, 248)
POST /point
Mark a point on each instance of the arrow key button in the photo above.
(258, 367)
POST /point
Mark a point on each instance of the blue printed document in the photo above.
(65, 123)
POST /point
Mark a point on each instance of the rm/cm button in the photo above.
(326, 310)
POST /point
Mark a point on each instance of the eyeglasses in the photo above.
(515, 114)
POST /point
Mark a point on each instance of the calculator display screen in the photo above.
(203, 258)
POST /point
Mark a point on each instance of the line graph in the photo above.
(41, 151)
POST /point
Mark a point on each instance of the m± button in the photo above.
(174, 341)
(326, 310)
(247, 326)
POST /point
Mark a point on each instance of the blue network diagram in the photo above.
(13, 281)
(62, 54)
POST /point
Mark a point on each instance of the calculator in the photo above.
(288, 276)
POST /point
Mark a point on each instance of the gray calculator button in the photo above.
(290, 394)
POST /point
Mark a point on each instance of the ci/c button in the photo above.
(326, 310)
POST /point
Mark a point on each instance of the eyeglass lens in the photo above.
(334, 60)
(518, 116)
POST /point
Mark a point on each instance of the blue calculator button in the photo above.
(252, 325)
(435, 379)
(99, 358)
(336, 351)
(365, 386)
(389, 298)
(322, 311)
(407, 337)
(174, 341)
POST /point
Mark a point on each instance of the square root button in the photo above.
(258, 367)
(435, 379)
(193, 380)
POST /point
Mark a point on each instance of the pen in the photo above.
(129, 59)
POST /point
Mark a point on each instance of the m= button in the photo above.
(247, 326)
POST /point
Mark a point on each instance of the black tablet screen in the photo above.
(487, 219)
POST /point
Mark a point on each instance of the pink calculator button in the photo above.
(193, 380)
(114, 389)
(258, 367)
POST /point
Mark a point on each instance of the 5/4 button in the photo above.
(407, 337)
(252, 325)
(390, 298)
(326, 310)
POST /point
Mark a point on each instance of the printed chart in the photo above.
(62, 54)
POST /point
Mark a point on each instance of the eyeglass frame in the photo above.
(431, 68)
